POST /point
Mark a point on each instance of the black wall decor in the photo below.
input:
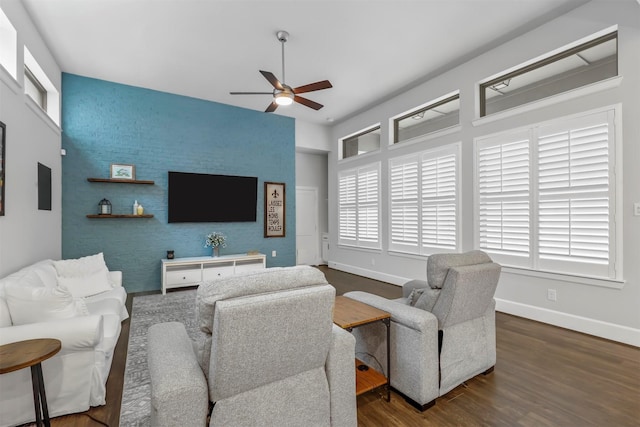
(44, 187)
(3, 131)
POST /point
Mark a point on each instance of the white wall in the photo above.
(312, 146)
(26, 233)
(609, 312)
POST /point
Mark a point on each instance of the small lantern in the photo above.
(104, 207)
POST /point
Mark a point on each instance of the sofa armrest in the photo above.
(115, 277)
(75, 334)
(341, 376)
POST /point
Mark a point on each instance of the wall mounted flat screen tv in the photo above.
(196, 197)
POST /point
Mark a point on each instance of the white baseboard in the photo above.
(376, 275)
(610, 331)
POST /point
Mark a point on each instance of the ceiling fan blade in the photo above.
(251, 93)
(272, 79)
(271, 108)
(309, 103)
(325, 84)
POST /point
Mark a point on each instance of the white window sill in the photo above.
(591, 281)
(359, 248)
(8, 79)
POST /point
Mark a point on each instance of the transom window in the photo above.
(34, 89)
(579, 66)
(436, 116)
(8, 45)
(361, 143)
(546, 196)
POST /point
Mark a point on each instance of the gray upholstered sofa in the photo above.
(269, 355)
(442, 330)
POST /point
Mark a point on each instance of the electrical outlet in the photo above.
(636, 209)
(551, 294)
(273, 254)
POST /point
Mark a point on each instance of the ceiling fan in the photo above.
(284, 94)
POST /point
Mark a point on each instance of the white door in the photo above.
(307, 238)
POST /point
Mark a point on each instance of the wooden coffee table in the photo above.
(348, 314)
(31, 353)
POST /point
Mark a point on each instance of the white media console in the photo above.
(182, 272)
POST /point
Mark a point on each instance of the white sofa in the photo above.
(80, 303)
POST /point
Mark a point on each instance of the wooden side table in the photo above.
(348, 314)
(31, 353)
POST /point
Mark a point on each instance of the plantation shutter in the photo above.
(423, 191)
(368, 206)
(439, 202)
(503, 179)
(403, 189)
(359, 206)
(347, 202)
(575, 210)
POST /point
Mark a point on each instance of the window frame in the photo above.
(483, 86)
(371, 129)
(429, 106)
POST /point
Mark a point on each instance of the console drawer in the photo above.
(183, 277)
(212, 273)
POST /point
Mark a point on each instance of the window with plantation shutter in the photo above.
(359, 206)
(424, 201)
(504, 197)
(546, 196)
(574, 199)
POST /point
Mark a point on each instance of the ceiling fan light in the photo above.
(284, 98)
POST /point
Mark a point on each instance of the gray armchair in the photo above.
(442, 330)
(271, 354)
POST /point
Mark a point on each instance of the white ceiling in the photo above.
(369, 50)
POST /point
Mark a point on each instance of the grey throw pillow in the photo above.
(427, 299)
(415, 295)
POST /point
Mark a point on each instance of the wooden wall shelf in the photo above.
(121, 181)
(119, 216)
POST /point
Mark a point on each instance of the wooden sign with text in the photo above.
(274, 209)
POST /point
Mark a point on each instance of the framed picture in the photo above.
(119, 171)
(3, 131)
(274, 209)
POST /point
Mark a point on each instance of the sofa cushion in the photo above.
(83, 276)
(84, 286)
(5, 315)
(81, 266)
(438, 265)
(31, 304)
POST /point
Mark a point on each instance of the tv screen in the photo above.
(197, 197)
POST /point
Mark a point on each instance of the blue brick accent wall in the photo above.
(105, 123)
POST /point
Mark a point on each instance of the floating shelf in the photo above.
(119, 216)
(121, 181)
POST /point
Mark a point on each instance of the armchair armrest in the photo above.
(75, 333)
(115, 277)
(414, 318)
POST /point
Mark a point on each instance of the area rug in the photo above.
(147, 310)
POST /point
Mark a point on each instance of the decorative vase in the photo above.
(216, 251)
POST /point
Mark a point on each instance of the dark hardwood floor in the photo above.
(544, 376)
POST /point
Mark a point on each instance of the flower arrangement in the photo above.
(215, 240)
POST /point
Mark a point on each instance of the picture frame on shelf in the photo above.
(123, 171)
(3, 131)
(274, 209)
